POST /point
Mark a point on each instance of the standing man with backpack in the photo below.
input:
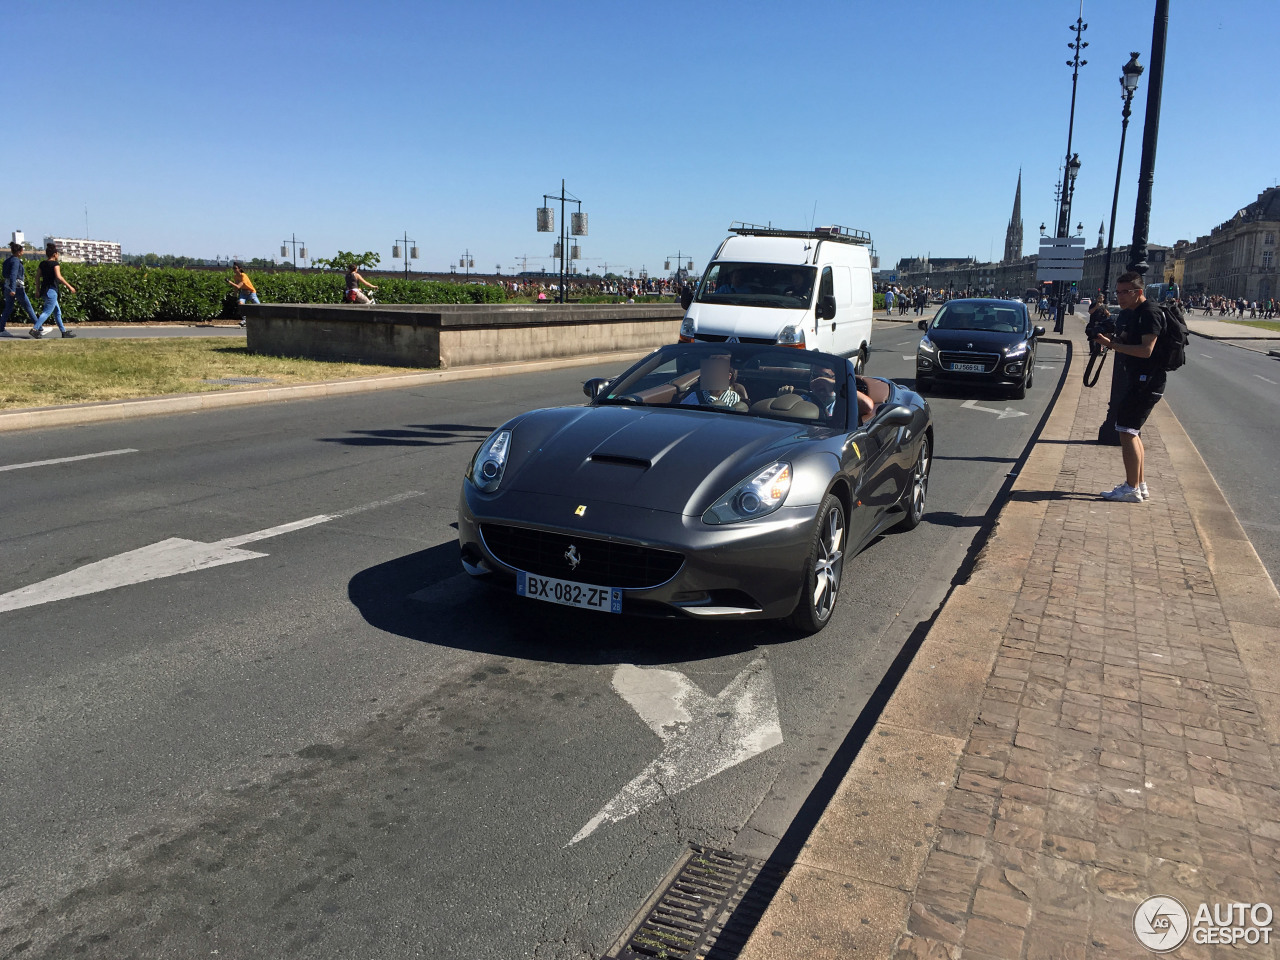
(1140, 324)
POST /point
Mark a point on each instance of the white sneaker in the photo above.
(1142, 489)
(1123, 493)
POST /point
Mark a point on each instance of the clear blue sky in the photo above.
(220, 128)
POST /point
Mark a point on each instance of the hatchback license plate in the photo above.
(968, 368)
(585, 596)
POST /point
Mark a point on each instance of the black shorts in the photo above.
(1135, 406)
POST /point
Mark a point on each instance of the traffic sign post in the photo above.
(1061, 261)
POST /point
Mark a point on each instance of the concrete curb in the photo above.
(864, 857)
(80, 413)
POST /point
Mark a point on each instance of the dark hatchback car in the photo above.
(982, 342)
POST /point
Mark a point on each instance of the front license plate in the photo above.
(968, 368)
(582, 595)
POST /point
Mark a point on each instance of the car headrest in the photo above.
(787, 405)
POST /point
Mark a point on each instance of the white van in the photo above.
(799, 288)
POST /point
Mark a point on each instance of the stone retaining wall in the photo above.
(449, 335)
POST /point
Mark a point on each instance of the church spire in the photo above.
(1013, 235)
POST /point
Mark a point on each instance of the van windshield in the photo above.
(789, 286)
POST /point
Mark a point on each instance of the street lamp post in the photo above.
(1073, 160)
(408, 247)
(679, 259)
(1150, 133)
(466, 262)
(546, 224)
(1073, 170)
(299, 249)
(1128, 86)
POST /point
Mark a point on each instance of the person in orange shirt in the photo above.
(244, 286)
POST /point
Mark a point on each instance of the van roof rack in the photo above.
(843, 234)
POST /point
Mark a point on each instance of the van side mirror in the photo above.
(594, 387)
(827, 307)
(1037, 332)
(686, 297)
(923, 324)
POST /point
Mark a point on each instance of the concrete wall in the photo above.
(449, 335)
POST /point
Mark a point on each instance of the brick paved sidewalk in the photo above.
(1119, 752)
(1108, 691)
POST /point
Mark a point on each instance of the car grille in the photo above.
(949, 357)
(602, 562)
(717, 338)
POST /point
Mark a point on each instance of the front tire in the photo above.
(918, 486)
(860, 365)
(823, 569)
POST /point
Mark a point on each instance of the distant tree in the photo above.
(345, 260)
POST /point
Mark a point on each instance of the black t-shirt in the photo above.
(48, 279)
(1131, 327)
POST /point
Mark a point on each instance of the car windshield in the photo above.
(757, 284)
(776, 383)
(991, 317)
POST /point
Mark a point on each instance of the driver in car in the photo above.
(823, 393)
(713, 389)
(735, 283)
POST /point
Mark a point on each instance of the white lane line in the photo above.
(1207, 356)
(168, 558)
(908, 356)
(83, 456)
(1261, 377)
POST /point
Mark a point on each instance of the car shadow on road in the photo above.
(424, 596)
(414, 435)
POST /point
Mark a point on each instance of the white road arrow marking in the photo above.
(1001, 414)
(168, 558)
(908, 356)
(701, 735)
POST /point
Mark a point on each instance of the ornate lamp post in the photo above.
(546, 224)
(1128, 87)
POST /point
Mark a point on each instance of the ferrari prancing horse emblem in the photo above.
(572, 556)
(581, 511)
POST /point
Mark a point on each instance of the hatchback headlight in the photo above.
(490, 462)
(758, 496)
(927, 345)
(1017, 349)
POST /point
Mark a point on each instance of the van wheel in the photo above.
(860, 365)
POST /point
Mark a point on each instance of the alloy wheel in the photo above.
(828, 564)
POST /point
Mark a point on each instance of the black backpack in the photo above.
(1171, 346)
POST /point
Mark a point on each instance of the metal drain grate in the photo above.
(687, 916)
(234, 381)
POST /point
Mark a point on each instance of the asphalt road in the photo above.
(323, 740)
(1228, 400)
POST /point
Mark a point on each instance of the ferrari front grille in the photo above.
(600, 562)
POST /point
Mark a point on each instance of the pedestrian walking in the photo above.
(1138, 327)
(248, 293)
(50, 277)
(15, 287)
(888, 303)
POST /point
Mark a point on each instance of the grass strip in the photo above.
(1262, 324)
(39, 373)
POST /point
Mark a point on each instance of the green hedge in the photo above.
(120, 294)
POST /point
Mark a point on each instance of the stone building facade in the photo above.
(1239, 257)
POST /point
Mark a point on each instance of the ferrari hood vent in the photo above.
(621, 460)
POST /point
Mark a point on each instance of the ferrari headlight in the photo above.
(490, 462)
(757, 496)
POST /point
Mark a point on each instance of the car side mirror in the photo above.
(923, 324)
(827, 306)
(594, 387)
(686, 298)
(898, 416)
(1037, 331)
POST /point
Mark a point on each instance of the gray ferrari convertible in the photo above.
(709, 480)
